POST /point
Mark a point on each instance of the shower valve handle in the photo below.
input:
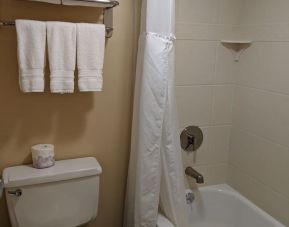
(191, 138)
(17, 192)
(191, 142)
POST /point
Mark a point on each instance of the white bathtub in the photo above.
(222, 206)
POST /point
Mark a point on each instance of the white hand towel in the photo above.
(48, 1)
(31, 41)
(91, 3)
(61, 42)
(90, 56)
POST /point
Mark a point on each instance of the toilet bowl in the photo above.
(65, 195)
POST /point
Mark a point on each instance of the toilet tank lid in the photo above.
(18, 176)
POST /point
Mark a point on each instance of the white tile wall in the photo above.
(198, 11)
(264, 11)
(259, 151)
(263, 196)
(254, 155)
(226, 69)
(195, 62)
(257, 70)
(208, 11)
(194, 105)
(205, 74)
(243, 108)
(222, 104)
(229, 11)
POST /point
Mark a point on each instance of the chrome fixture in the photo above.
(194, 174)
(102, 3)
(17, 192)
(7, 23)
(191, 138)
(107, 7)
(108, 30)
(190, 197)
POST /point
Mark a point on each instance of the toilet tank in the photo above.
(65, 195)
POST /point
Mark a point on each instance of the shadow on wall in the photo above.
(79, 124)
(42, 114)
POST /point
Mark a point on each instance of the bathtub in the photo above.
(222, 206)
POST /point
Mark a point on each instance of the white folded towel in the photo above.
(91, 3)
(61, 42)
(31, 41)
(48, 1)
(90, 56)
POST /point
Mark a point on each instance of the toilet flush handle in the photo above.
(17, 192)
(1, 188)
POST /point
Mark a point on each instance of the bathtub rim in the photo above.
(226, 189)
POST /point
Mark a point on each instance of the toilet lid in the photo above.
(62, 170)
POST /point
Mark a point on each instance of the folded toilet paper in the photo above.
(43, 155)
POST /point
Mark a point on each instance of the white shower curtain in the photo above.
(155, 178)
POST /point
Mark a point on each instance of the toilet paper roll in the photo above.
(1, 188)
(43, 155)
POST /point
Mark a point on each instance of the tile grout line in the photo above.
(258, 181)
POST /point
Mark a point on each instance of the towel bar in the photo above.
(108, 30)
(107, 15)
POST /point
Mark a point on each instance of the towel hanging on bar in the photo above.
(108, 30)
(107, 5)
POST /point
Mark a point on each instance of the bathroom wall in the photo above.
(259, 153)
(210, 84)
(80, 124)
(205, 77)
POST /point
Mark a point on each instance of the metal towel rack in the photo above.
(107, 14)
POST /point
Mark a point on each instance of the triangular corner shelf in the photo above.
(237, 46)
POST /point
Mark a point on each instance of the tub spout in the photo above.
(195, 174)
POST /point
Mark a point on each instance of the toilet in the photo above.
(65, 195)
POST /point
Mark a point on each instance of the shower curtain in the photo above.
(155, 178)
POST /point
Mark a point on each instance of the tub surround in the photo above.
(259, 151)
(242, 107)
(205, 77)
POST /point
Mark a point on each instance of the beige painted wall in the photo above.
(87, 124)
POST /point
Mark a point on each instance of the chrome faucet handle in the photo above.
(190, 142)
(190, 197)
(17, 192)
(191, 138)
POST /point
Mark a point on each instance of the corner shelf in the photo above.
(237, 47)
